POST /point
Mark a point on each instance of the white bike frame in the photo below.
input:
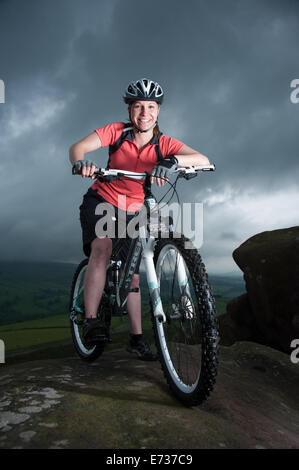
(148, 242)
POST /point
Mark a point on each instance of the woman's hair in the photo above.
(156, 130)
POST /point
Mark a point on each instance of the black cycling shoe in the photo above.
(141, 347)
(95, 332)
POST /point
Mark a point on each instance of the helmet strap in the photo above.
(142, 132)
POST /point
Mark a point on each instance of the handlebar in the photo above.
(185, 172)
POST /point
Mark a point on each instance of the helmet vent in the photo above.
(144, 89)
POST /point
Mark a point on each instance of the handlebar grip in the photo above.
(75, 171)
(212, 167)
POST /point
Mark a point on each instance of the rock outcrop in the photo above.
(118, 402)
(269, 312)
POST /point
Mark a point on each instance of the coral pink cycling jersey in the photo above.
(129, 157)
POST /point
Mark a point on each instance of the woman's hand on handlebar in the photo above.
(85, 168)
(164, 169)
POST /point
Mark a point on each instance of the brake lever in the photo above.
(101, 177)
(187, 176)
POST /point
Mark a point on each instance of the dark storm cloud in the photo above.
(226, 68)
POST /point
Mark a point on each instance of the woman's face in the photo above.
(144, 114)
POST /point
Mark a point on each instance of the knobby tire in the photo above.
(86, 353)
(203, 325)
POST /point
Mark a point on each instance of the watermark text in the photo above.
(2, 352)
(2, 91)
(294, 96)
(295, 353)
(186, 218)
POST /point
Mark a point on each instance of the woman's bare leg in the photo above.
(94, 283)
(134, 307)
(95, 276)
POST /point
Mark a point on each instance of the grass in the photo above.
(22, 335)
(221, 303)
(50, 338)
(54, 329)
(44, 332)
(33, 295)
(20, 301)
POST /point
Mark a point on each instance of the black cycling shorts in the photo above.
(89, 219)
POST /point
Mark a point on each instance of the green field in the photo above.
(33, 290)
(22, 335)
(34, 301)
(224, 289)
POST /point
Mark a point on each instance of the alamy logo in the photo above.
(186, 218)
(2, 92)
(295, 353)
(294, 96)
(2, 352)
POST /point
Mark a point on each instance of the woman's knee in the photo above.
(101, 248)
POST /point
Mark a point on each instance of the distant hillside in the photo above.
(33, 290)
(35, 272)
(30, 291)
(227, 286)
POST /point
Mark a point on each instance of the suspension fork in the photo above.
(182, 276)
(152, 281)
(148, 257)
(148, 244)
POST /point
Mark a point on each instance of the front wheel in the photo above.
(77, 314)
(187, 341)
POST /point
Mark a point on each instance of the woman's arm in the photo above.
(79, 149)
(190, 157)
(87, 144)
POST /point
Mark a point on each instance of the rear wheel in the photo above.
(187, 341)
(77, 314)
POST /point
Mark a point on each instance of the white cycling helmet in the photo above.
(143, 90)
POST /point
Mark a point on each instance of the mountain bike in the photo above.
(182, 305)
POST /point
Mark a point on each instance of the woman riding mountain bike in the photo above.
(137, 146)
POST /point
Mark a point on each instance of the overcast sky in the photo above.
(226, 69)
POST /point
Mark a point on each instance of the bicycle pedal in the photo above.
(119, 311)
(98, 339)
